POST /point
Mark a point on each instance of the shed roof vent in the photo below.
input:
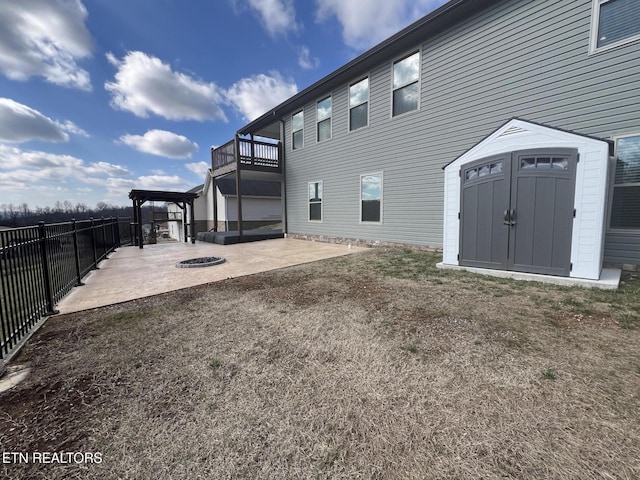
(513, 130)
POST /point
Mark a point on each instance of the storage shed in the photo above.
(528, 198)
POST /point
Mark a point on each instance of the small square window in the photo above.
(615, 22)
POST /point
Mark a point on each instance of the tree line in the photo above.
(21, 215)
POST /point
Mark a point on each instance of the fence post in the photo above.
(93, 243)
(76, 252)
(116, 232)
(45, 270)
(104, 240)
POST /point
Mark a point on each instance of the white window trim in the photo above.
(294, 131)
(331, 117)
(365, 222)
(393, 89)
(321, 203)
(612, 183)
(368, 102)
(593, 38)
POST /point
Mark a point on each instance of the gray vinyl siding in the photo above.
(526, 59)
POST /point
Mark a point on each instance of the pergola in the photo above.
(182, 199)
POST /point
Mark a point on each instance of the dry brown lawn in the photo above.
(375, 365)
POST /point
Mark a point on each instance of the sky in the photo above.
(98, 97)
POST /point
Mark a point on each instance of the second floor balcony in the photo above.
(252, 155)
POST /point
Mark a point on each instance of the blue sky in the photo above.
(101, 96)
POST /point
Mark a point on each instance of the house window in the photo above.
(625, 208)
(323, 109)
(315, 201)
(359, 104)
(371, 198)
(297, 129)
(406, 88)
(615, 22)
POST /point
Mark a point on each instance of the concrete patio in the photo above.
(131, 273)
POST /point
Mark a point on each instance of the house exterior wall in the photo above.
(516, 58)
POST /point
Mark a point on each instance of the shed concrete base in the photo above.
(609, 277)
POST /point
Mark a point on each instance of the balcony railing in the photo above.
(254, 155)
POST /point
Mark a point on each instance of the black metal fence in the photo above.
(39, 265)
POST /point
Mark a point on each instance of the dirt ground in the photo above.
(375, 365)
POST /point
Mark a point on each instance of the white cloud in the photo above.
(21, 123)
(305, 60)
(104, 168)
(255, 95)
(161, 143)
(33, 166)
(145, 85)
(163, 182)
(69, 126)
(45, 38)
(199, 168)
(276, 16)
(367, 22)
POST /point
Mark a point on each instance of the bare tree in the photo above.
(24, 209)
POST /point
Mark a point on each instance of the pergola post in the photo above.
(140, 235)
(192, 221)
(184, 221)
(135, 222)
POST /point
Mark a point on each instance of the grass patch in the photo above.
(214, 364)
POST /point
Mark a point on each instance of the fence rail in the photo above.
(40, 264)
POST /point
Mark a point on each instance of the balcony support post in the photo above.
(238, 181)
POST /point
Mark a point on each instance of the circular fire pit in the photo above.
(200, 262)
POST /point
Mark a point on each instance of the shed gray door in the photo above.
(517, 211)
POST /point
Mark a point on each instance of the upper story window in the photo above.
(625, 207)
(323, 109)
(615, 22)
(359, 104)
(297, 130)
(406, 85)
